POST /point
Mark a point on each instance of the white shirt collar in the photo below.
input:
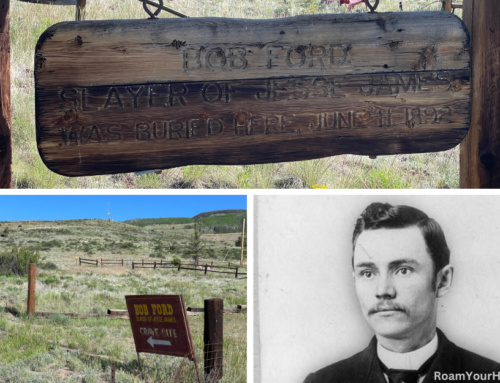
(407, 360)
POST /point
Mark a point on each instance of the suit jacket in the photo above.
(364, 367)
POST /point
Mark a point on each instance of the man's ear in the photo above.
(444, 280)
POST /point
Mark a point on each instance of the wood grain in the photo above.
(480, 151)
(52, 2)
(120, 96)
(5, 104)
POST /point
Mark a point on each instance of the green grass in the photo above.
(76, 348)
(431, 170)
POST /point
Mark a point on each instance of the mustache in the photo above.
(387, 306)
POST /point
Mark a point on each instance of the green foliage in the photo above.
(238, 242)
(5, 232)
(48, 266)
(17, 261)
(195, 248)
(176, 261)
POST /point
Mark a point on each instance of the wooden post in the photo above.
(447, 5)
(122, 262)
(5, 105)
(97, 262)
(154, 267)
(161, 262)
(31, 288)
(132, 265)
(480, 150)
(113, 372)
(80, 10)
(212, 338)
(236, 276)
(206, 267)
(179, 266)
(143, 261)
(80, 260)
(242, 241)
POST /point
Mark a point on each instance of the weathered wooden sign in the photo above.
(159, 325)
(130, 95)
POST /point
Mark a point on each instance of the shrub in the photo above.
(48, 266)
(176, 261)
(17, 261)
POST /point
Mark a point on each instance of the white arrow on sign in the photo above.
(152, 342)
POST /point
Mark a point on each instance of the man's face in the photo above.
(393, 273)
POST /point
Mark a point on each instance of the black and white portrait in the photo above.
(384, 289)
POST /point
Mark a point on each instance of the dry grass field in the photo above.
(63, 349)
(28, 21)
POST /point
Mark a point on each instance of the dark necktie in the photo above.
(407, 376)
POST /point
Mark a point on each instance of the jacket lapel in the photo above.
(447, 359)
(369, 368)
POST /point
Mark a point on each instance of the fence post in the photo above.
(113, 372)
(242, 242)
(31, 288)
(143, 261)
(154, 267)
(80, 260)
(132, 265)
(212, 338)
(97, 262)
(206, 267)
(480, 150)
(5, 104)
(179, 266)
(161, 262)
(122, 261)
(80, 10)
(236, 276)
(101, 261)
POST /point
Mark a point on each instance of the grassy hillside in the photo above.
(28, 21)
(103, 239)
(213, 222)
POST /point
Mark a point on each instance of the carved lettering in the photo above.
(176, 129)
(215, 59)
(215, 127)
(155, 130)
(114, 133)
(142, 131)
(191, 59)
(94, 131)
(298, 59)
(316, 53)
(113, 99)
(237, 58)
(135, 95)
(272, 56)
(70, 97)
(198, 128)
(177, 92)
(211, 92)
(73, 134)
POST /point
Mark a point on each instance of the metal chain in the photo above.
(151, 14)
(372, 8)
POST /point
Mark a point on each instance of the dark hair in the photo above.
(385, 216)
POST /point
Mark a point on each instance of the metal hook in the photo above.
(151, 14)
(372, 8)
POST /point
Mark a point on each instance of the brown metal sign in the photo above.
(130, 95)
(160, 325)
